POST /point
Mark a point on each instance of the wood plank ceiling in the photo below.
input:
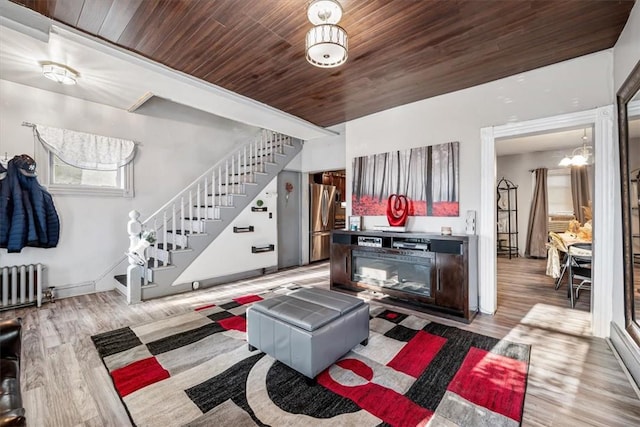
(399, 51)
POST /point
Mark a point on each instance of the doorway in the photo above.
(604, 263)
(535, 166)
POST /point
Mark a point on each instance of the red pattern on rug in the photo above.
(204, 307)
(237, 323)
(138, 375)
(358, 367)
(247, 299)
(492, 381)
(384, 403)
(416, 355)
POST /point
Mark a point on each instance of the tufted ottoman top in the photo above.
(308, 309)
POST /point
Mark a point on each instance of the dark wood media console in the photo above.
(426, 272)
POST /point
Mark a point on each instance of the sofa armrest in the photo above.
(14, 418)
(10, 339)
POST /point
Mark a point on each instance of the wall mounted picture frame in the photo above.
(427, 176)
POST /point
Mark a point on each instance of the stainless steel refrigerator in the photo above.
(322, 210)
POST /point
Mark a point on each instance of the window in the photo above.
(66, 179)
(559, 191)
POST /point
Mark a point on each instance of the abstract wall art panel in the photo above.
(427, 176)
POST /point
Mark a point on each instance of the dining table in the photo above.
(568, 238)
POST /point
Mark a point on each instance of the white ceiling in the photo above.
(111, 76)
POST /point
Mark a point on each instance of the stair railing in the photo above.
(213, 189)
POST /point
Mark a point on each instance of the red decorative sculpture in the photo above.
(397, 210)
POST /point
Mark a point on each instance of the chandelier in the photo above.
(580, 156)
(326, 42)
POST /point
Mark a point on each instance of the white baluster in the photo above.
(205, 196)
(239, 172)
(213, 194)
(226, 180)
(155, 255)
(251, 159)
(256, 162)
(165, 226)
(245, 164)
(173, 225)
(263, 147)
(182, 229)
(271, 147)
(198, 204)
(233, 175)
(191, 211)
(219, 185)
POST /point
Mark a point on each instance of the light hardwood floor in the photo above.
(574, 379)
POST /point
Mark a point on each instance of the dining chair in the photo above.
(579, 264)
(557, 241)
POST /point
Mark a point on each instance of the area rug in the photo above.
(195, 369)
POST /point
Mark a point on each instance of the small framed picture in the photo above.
(355, 223)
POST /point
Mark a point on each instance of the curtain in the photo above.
(538, 215)
(580, 191)
(85, 150)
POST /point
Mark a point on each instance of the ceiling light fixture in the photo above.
(59, 73)
(326, 42)
(581, 156)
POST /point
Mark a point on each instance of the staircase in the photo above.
(189, 222)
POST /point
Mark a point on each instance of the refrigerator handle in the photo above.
(325, 207)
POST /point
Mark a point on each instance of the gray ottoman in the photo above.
(309, 329)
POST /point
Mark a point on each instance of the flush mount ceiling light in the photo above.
(59, 73)
(326, 42)
(581, 156)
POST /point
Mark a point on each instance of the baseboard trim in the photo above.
(74, 290)
(627, 353)
(207, 283)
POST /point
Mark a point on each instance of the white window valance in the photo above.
(86, 150)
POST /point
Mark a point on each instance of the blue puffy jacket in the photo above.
(4, 207)
(34, 220)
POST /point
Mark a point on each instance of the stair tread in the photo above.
(164, 267)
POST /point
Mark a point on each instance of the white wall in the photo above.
(230, 253)
(322, 154)
(93, 229)
(626, 55)
(576, 85)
